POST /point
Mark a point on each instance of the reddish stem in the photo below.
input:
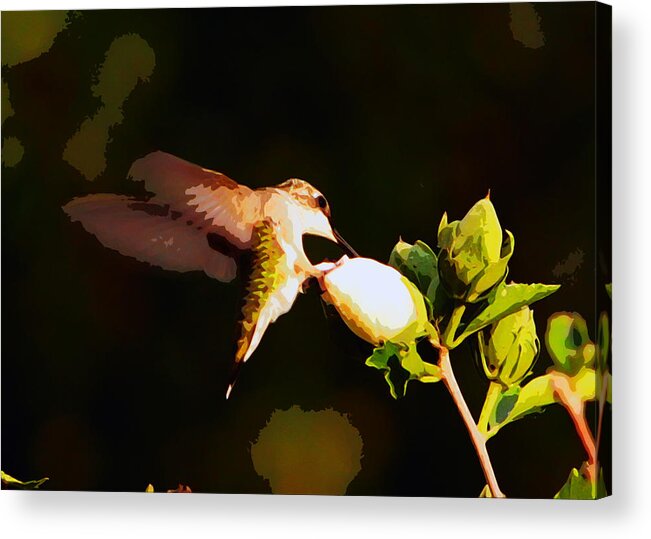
(576, 410)
(587, 439)
(602, 404)
(478, 440)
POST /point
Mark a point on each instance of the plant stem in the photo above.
(576, 409)
(585, 434)
(493, 393)
(453, 325)
(602, 404)
(478, 440)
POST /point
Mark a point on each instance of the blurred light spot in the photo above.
(525, 25)
(12, 148)
(12, 151)
(128, 60)
(308, 452)
(7, 109)
(28, 34)
(86, 149)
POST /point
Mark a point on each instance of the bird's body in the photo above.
(197, 219)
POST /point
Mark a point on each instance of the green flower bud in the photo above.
(568, 342)
(512, 348)
(375, 301)
(474, 255)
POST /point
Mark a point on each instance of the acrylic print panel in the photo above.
(182, 313)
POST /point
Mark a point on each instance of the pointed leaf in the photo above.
(486, 492)
(400, 365)
(532, 398)
(507, 299)
(584, 384)
(433, 336)
(493, 273)
(12, 482)
(418, 263)
(380, 360)
(542, 391)
(417, 368)
(603, 341)
(442, 225)
(579, 487)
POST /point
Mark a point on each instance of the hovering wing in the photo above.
(228, 208)
(271, 292)
(150, 232)
(196, 219)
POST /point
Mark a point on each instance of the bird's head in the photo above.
(314, 211)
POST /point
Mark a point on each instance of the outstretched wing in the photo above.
(195, 219)
(151, 233)
(228, 208)
(271, 291)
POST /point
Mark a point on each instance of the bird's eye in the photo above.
(321, 202)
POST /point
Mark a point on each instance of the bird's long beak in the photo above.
(341, 241)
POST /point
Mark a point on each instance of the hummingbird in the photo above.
(194, 218)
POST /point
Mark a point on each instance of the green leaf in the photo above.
(568, 342)
(579, 487)
(541, 392)
(402, 363)
(432, 335)
(507, 299)
(12, 482)
(380, 360)
(603, 341)
(446, 232)
(418, 263)
(584, 384)
(609, 289)
(486, 492)
(504, 406)
(494, 273)
(418, 369)
(532, 398)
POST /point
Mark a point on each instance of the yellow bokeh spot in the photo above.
(7, 109)
(86, 149)
(28, 34)
(12, 151)
(308, 452)
(525, 25)
(128, 60)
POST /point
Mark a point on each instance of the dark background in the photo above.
(113, 372)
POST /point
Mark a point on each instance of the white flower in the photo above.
(377, 302)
